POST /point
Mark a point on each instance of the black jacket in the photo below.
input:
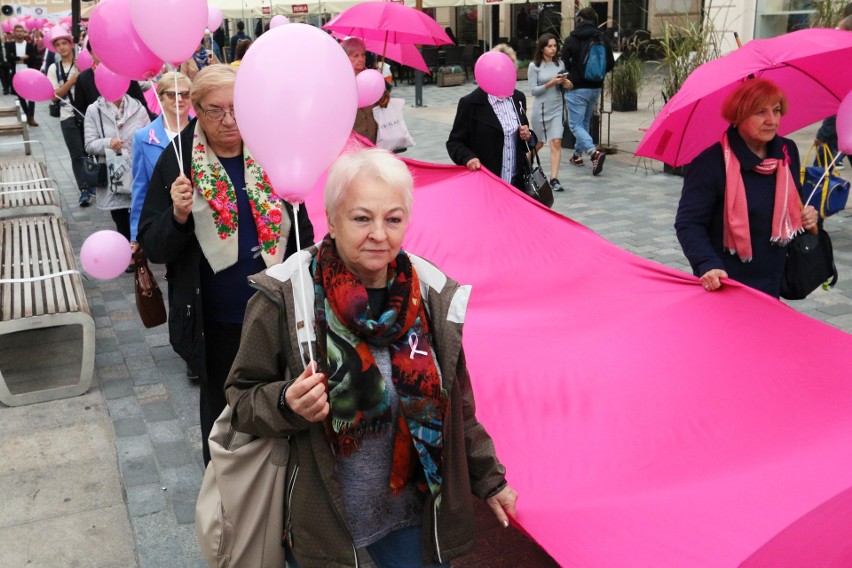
(86, 93)
(574, 50)
(477, 133)
(12, 56)
(166, 242)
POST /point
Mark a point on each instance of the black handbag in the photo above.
(94, 171)
(810, 264)
(536, 184)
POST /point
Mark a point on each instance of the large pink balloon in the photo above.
(84, 60)
(278, 20)
(110, 84)
(214, 18)
(116, 42)
(496, 74)
(7, 27)
(844, 125)
(320, 105)
(32, 85)
(171, 28)
(105, 254)
(371, 86)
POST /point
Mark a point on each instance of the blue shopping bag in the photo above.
(830, 197)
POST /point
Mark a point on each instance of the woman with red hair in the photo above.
(740, 204)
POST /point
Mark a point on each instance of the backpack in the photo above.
(594, 59)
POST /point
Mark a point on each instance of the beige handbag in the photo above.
(239, 515)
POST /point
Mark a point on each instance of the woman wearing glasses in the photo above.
(214, 221)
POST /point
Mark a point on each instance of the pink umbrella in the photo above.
(402, 53)
(804, 64)
(388, 22)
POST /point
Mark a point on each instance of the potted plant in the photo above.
(523, 67)
(625, 81)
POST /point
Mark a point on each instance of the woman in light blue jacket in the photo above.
(546, 83)
(149, 142)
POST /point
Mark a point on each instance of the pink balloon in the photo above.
(14, 22)
(105, 254)
(214, 18)
(32, 85)
(115, 41)
(844, 125)
(66, 21)
(278, 20)
(324, 99)
(496, 74)
(84, 60)
(7, 27)
(171, 28)
(110, 84)
(371, 86)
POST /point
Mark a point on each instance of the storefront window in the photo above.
(466, 24)
(778, 17)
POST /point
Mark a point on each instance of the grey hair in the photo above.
(373, 163)
(353, 44)
(212, 78)
(167, 81)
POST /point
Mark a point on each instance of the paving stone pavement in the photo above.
(148, 409)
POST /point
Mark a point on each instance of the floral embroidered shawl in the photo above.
(214, 208)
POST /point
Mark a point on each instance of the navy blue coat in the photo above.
(701, 209)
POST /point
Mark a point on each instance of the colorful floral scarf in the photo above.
(214, 208)
(360, 403)
(786, 213)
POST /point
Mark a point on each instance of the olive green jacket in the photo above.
(273, 351)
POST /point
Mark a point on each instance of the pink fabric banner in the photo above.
(643, 421)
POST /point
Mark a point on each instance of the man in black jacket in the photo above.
(583, 97)
(21, 54)
(86, 91)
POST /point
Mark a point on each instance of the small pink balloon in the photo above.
(84, 60)
(170, 28)
(496, 74)
(116, 42)
(278, 20)
(371, 86)
(323, 100)
(105, 254)
(32, 85)
(214, 18)
(7, 27)
(844, 125)
(66, 21)
(14, 22)
(110, 84)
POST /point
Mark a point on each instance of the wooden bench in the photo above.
(13, 122)
(26, 190)
(40, 287)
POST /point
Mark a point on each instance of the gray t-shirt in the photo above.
(372, 509)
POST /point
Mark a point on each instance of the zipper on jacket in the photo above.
(435, 504)
(289, 526)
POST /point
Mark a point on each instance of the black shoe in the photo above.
(190, 374)
(84, 199)
(597, 162)
(555, 185)
(576, 159)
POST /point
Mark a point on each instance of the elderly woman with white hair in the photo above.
(213, 221)
(385, 447)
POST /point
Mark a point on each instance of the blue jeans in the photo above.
(581, 107)
(399, 549)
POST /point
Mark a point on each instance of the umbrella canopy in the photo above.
(807, 65)
(402, 53)
(388, 22)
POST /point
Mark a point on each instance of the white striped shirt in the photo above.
(505, 110)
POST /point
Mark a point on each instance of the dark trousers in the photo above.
(121, 218)
(5, 78)
(221, 342)
(28, 106)
(76, 149)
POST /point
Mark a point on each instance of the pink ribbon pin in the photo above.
(152, 138)
(413, 340)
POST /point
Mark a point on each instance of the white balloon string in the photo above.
(302, 282)
(822, 177)
(165, 125)
(177, 122)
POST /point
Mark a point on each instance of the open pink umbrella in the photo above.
(807, 65)
(388, 22)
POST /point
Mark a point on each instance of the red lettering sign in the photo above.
(266, 10)
(299, 8)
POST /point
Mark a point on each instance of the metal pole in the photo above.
(75, 20)
(418, 74)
